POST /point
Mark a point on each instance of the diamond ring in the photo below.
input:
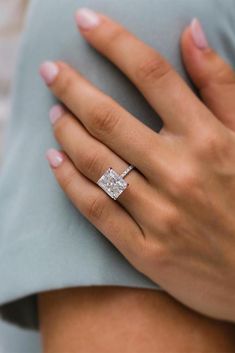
(113, 183)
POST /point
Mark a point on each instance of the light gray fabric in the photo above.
(18, 340)
(44, 242)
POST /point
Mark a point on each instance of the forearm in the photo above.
(118, 319)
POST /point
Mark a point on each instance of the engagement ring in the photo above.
(113, 183)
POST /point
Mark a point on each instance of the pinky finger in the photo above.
(103, 212)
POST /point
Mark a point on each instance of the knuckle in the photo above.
(103, 119)
(60, 128)
(93, 164)
(116, 34)
(185, 183)
(67, 180)
(152, 162)
(65, 84)
(152, 69)
(153, 254)
(212, 145)
(96, 208)
(171, 221)
(224, 73)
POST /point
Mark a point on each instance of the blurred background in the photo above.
(12, 14)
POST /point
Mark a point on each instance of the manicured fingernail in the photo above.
(198, 35)
(87, 19)
(55, 158)
(49, 71)
(56, 113)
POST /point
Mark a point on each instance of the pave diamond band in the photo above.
(127, 171)
(113, 183)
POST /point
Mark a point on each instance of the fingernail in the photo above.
(49, 71)
(87, 19)
(54, 157)
(198, 35)
(56, 113)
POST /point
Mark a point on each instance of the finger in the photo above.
(104, 213)
(93, 159)
(104, 118)
(164, 89)
(214, 78)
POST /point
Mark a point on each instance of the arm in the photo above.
(118, 319)
(184, 177)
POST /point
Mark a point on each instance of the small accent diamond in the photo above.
(112, 183)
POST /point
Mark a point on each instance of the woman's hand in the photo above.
(176, 220)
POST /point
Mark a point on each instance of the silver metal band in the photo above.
(127, 171)
(113, 183)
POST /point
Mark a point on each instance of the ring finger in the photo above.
(107, 216)
(92, 159)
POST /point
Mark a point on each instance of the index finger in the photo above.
(161, 85)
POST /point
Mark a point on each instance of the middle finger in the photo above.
(105, 119)
(165, 90)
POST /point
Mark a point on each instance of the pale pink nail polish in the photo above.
(56, 113)
(198, 35)
(87, 19)
(54, 157)
(49, 71)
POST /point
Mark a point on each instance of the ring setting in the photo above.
(113, 183)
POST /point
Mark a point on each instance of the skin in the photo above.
(115, 319)
(184, 175)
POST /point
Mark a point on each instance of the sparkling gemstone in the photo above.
(112, 183)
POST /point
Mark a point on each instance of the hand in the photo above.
(175, 222)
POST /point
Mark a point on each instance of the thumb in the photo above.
(214, 78)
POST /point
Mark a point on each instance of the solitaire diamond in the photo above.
(112, 183)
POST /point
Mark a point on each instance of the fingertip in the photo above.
(48, 71)
(189, 51)
(186, 35)
(194, 57)
(196, 61)
(198, 35)
(186, 40)
(87, 19)
(61, 64)
(194, 41)
(55, 113)
(55, 158)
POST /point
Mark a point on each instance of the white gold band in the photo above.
(127, 171)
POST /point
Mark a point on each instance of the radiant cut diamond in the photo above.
(112, 183)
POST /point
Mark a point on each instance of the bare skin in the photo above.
(185, 238)
(185, 174)
(117, 319)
